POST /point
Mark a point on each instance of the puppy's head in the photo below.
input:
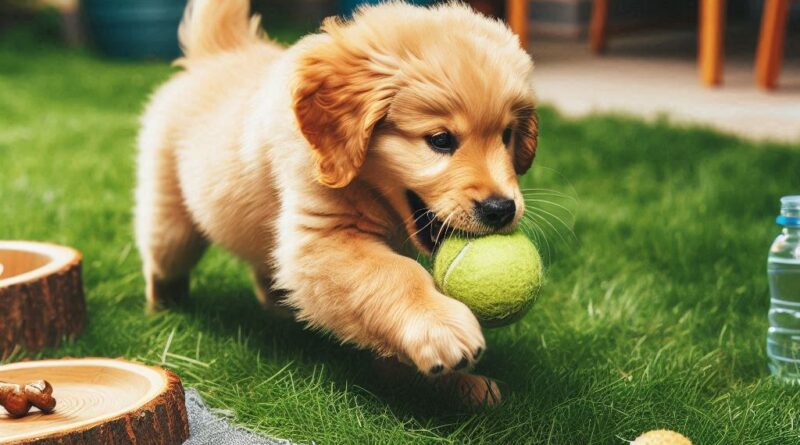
(433, 107)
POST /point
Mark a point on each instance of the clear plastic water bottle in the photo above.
(783, 268)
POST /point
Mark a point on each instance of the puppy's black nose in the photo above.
(496, 212)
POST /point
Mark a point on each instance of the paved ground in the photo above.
(655, 73)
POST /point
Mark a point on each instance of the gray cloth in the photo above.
(209, 428)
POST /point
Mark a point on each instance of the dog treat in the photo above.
(18, 399)
(662, 437)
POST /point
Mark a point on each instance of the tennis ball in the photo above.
(661, 437)
(496, 276)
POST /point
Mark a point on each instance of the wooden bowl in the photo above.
(41, 295)
(101, 401)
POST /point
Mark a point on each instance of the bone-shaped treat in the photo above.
(18, 399)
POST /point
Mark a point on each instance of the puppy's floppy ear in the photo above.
(527, 138)
(341, 91)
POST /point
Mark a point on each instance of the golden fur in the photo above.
(298, 161)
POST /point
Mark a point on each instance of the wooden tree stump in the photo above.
(41, 295)
(99, 401)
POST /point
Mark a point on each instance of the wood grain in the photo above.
(100, 401)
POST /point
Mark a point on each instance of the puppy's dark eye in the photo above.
(507, 136)
(442, 142)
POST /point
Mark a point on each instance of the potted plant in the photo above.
(134, 29)
(349, 6)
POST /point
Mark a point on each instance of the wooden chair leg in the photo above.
(517, 12)
(770, 43)
(710, 44)
(598, 26)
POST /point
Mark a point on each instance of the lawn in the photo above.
(653, 316)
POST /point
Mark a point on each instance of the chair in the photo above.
(709, 44)
(517, 15)
(710, 39)
(769, 54)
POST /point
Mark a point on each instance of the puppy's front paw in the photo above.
(443, 339)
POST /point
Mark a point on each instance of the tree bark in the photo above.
(41, 306)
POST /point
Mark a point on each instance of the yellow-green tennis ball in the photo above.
(496, 276)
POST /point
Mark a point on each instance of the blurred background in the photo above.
(731, 65)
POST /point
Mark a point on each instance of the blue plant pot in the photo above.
(348, 6)
(135, 29)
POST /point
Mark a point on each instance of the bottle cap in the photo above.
(790, 208)
(791, 202)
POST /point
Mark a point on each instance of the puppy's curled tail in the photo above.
(213, 26)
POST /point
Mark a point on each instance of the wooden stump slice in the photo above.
(41, 295)
(99, 401)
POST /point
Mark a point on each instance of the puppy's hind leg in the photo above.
(169, 242)
(271, 299)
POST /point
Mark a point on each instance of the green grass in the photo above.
(654, 318)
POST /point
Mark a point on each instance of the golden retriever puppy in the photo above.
(321, 163)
